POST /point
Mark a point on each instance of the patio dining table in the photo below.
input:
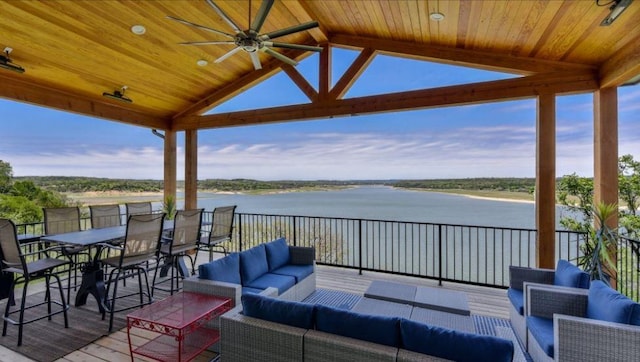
(92, 273)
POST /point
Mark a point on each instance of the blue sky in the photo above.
(486, 140)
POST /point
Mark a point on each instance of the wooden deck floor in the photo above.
(115, 348)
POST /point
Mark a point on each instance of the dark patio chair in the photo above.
(60, 220)
(104, 216)
(183, 243)
(141, 244)
(138, 208)
(28, 267)
(221, 230)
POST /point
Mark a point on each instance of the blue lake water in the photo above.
(383, 203)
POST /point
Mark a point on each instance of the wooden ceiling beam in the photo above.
(501, 90)
(456, 56)
(301, 82)
(352, 74)
(303, 14)
(621, 67)
(28, 92)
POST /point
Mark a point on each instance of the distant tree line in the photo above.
(494, 184)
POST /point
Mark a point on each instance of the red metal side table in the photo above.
(181, 321)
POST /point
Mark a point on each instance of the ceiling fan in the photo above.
(250, 40)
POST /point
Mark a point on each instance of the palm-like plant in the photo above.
(596, 258)
(169, 206)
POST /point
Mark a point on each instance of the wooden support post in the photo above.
(605, 180)
(545, 193)
(170, 163)
(191, 170)
(324, 73)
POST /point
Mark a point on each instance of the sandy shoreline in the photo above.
(120, 197)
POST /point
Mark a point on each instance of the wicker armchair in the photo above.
(565, 324)
(568, 276)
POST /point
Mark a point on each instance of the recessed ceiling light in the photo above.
(436, 16)
(202, 62)
(138, 29)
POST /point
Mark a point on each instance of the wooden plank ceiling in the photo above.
(73, 51)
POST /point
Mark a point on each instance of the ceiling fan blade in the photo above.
(292, 46)
(261, 15)
(226, 18)
(255, 60)
(228, 54)
(279, 56)
(289, 30)
(199, 26)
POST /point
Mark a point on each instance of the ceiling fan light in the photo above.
(138, 29)
(436, 16)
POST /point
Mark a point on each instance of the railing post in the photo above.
(360, 246)
(239, 232)
(440, 255)
(295, 234)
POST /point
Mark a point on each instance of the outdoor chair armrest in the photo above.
(302, 255)
(110, 246)
(545, 301)
(213, 287)
(40, 250)
(582, 339)
(519, 275)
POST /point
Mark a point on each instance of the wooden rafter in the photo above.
(53, 98)
(517, 88)
(456, 56)
(301, 82)
(352, 74)
(621, 67)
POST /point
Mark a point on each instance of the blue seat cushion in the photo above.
(281, 282)
(516, 297)
(542, 331)
(376, 329)
(277, 253)
(605, 303)
(294, 314)
(248, 290)
(453, 345)
(569, 275)
(253, 263)
(225, 269)
(297, 271)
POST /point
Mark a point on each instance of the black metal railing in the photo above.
(479, 255)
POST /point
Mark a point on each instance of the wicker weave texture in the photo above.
(299, 255)
(519, 275)
(544, 302)
(322, 347)
(585, 340)
(410, 356)
(245, 339)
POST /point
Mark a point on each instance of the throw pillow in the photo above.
(607, 304)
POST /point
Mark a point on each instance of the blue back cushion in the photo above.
(569, 275)
(453, 345)
(516, 297)
(295, 314)
(635, 315)
(542, 331)
(225, 269)
(607, 304)
(277, 253)
(376, 329)
(253, 263)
